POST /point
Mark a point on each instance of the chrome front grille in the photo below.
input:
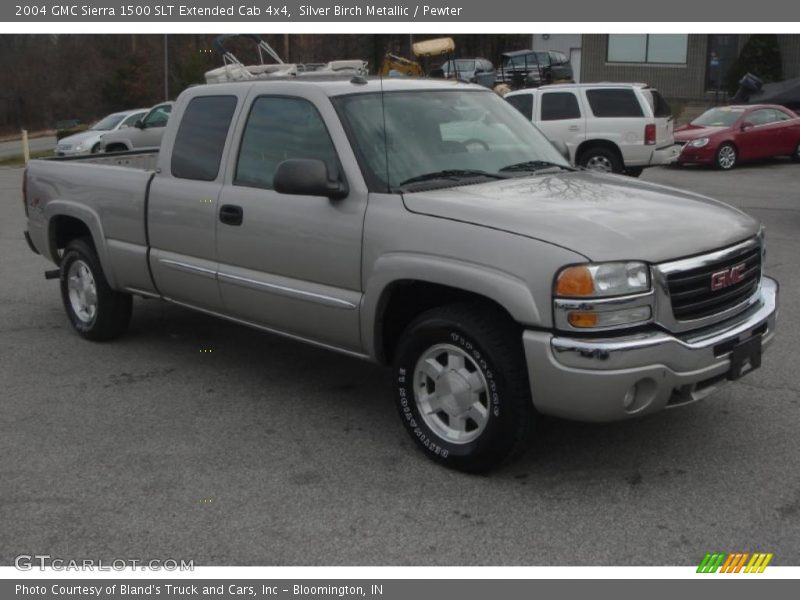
(686, 297)
(691, 293)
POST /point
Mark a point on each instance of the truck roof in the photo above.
(341, 86)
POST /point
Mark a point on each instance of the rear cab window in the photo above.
(523, 103)
(614, 103)
(197, 151)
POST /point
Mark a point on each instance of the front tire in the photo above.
(634, 171)
(462, 386)
(726, 157)
(95, 311)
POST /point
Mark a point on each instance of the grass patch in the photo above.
(19, 161)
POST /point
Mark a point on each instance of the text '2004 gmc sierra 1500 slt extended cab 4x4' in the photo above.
(424, 225)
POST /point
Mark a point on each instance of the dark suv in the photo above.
(471, 70)
(526, 68)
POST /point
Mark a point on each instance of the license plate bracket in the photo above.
(745, 357)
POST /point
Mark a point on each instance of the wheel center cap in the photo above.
(455, 392)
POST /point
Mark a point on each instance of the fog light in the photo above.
(630, 396)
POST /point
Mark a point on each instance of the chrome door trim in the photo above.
(279, 332)
(283, 290)
(186, 267)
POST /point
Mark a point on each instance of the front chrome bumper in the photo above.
(613, 378)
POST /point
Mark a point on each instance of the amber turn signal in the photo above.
(579, 318)
(575, 281)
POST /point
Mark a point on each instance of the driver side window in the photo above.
(760, 117)
(158, 117)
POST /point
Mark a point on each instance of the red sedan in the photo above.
(726, 135)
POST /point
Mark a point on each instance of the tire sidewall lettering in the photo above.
(426, 438)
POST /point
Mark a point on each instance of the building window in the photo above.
(648, 48)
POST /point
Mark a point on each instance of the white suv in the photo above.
(613, 127)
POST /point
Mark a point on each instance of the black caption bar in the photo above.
(710, 11)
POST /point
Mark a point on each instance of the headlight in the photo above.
(603, 296)
(603, 280)
(699, 142)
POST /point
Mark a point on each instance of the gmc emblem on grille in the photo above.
(722, 279)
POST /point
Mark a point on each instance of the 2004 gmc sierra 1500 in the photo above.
(421, 224)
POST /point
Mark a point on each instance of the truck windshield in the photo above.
(441, 138)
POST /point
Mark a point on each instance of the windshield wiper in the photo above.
(532, 165)
(454, 174)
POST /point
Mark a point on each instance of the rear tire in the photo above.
(462, 386)
(726, 156)
(95, 311)
(600, 158)
(796, 155)
(634, 171)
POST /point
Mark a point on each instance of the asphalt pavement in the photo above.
(14, 147)
(268, 452)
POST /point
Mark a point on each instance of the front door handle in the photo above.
(230, 214)
(574, 128)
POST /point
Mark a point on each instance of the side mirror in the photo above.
(562, 148)
(139, 124)
(746, 125)
(307, 177)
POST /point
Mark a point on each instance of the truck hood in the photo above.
(603, 217)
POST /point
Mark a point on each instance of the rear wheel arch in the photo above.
(117, 147)
(64, 228)
(588, 145)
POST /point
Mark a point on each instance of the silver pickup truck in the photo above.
(424, 225)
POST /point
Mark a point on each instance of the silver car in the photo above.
(88, 142)
(145, 133)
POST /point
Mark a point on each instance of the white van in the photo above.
(612, 127)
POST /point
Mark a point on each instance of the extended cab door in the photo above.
(292, 263)
(182, 204)
(558, 114)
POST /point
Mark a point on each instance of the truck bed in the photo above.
(106, 191)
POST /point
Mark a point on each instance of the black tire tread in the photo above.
(114, 308)
(502, 338)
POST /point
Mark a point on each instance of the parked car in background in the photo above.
(471, 70)
(68, 124)
(613, 127)
(88, 141)
(727, 135)
(145, 133)
(525, 68)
